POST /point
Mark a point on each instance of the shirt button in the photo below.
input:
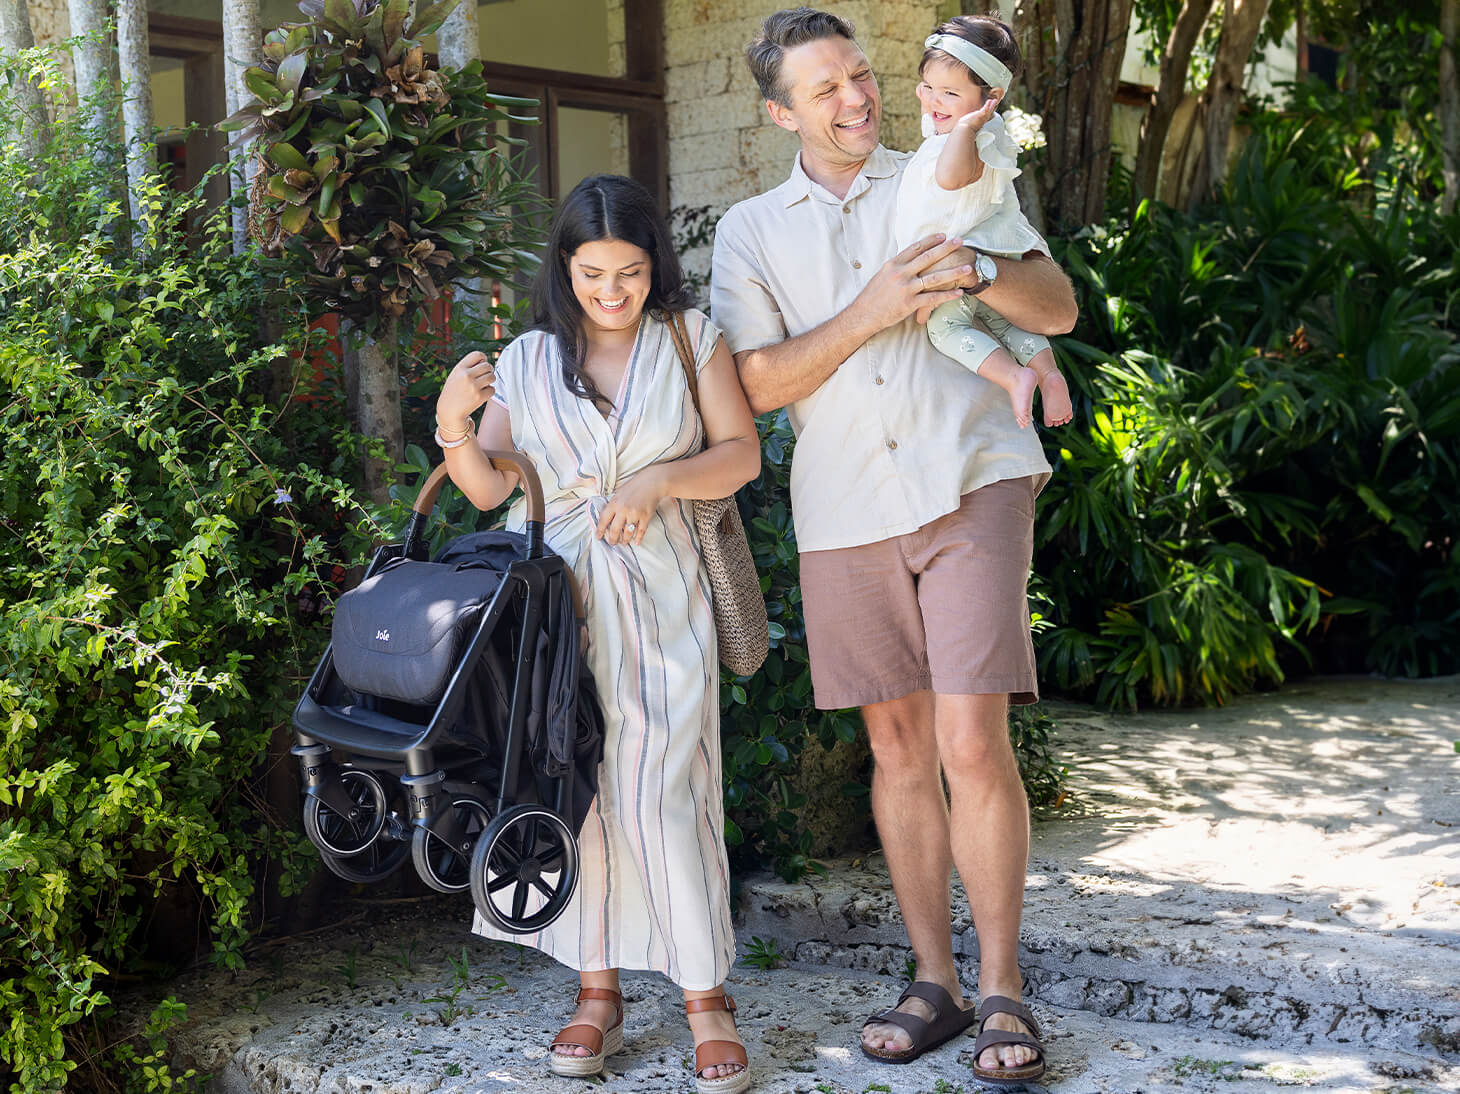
(892, 446)
(878, 381)
(856, 265)
(846, 208)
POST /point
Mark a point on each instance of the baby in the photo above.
(960, 182)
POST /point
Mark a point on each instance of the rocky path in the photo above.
(1262, 896)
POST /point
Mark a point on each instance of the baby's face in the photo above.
(947, 92)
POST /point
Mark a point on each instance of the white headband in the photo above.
(993, 71)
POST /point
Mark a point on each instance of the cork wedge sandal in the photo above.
(601, 1043)
(719, 1053)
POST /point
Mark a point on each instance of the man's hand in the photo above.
(914, 281)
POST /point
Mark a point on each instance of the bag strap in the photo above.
(680, 333)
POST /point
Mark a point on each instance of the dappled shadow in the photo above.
(1349, 768)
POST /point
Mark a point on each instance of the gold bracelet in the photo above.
(457, 443)
(447, 431)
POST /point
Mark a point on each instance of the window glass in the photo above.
(590, 142)
(584, 36)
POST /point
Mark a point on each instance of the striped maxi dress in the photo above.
(653, 889)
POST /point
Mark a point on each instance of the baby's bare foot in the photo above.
(1054, 395)
(1021, 396)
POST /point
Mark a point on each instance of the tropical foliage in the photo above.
(385, 179)
(163, 515)
(1267, 474)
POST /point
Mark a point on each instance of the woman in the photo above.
(595, 395)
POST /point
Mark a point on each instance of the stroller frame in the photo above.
(447, 821)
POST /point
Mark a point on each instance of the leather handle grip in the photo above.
(531, 484)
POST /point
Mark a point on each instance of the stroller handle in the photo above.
(531, 486)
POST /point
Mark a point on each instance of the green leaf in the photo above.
(291, 72)
(283, 191)
(261, 84)
(286, 157)
(396, 13)
(343, 13)
(376, 109)
(294, 218)
(429, 21)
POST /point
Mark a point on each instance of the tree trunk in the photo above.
(379, 407)
(243, 43)
(458, 44)
(133, 48)
(32, 129)
(1175, 64)
(96, 76)
(1450, 101)
(1073, 53)
(459, 39)
(1241, 22)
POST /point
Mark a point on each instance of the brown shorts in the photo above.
(943, 608)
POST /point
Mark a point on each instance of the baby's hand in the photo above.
(979, 118)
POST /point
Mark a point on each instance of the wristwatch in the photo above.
(987, 270)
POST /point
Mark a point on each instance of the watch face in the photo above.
(987, 268)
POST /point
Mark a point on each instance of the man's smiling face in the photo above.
(835, 106)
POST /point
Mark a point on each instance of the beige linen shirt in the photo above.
(896, 436)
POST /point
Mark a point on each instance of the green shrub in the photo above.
(1264, 471)
(158, 529)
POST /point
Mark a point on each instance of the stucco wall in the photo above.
(722, 145)
(50, 22)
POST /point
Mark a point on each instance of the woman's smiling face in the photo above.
(611, 279)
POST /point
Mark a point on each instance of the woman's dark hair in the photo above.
(602, 207)
(985, 31)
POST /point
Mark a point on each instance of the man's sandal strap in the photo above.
(1002, 1004)
(916, 1028)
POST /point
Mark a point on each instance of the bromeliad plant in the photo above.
(385, 178)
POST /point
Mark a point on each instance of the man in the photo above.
(913, 493)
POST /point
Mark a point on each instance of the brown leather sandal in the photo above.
(994, 1038)
(948, 1021)
(719, 1053)
(600, 1042)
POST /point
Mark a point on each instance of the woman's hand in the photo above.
(467, 387)
(625, 518)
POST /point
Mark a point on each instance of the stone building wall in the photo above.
(50, 22)
(723, 147)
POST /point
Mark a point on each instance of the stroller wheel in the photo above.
(524, 869)
(376, 863)
(343, 834)
(444, 860)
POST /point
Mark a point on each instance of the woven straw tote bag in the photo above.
(740, 616)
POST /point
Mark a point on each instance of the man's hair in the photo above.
(785, 30)
(987, 31)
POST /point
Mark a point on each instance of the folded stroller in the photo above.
(452, 721)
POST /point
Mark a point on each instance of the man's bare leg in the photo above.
(989, 822)
(912, 823)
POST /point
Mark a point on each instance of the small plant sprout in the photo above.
(763, 954)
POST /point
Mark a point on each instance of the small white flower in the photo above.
(281, 497)
(1027, 130)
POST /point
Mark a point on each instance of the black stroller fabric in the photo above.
(400, 632)
(564, 720)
